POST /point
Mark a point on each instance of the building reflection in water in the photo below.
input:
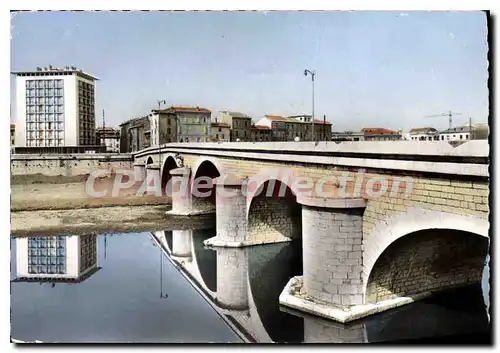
(243, 286)
(56, 258)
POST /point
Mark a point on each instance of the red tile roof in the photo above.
(175, 109)
(261, 127)
(276, 118)
(376, 130)
(326, 122)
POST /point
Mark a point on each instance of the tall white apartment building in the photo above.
(56, 257)
(55, 107)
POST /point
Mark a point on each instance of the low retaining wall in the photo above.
(68, 165)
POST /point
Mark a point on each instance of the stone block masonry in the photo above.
(274, 219)
(427, 261)
(332, 257)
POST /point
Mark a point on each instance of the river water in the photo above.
(167, 287)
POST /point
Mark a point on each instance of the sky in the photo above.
(385, 69)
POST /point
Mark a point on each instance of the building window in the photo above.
(223, 136)
(237, 133)
(47, 255)
(460, 136)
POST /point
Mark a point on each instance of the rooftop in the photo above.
(377, 130)
(178, 109)
(106, 128)
(235, 114)
(422, 129)
(216, 124)
(462, 128)
(326, 122)
(276, 118)
(49, 71)
(261, 127)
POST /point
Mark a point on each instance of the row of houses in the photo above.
(195, 124)
(147, 131)
(459, 133)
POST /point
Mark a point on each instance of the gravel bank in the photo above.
(103, 220)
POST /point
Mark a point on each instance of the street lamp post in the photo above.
(312, 73)
(162, 295)
(160, 102)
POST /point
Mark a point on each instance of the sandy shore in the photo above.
(29, 193)
(103, 220)
(62, 206)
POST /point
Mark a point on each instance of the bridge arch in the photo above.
(273, 212)
(205, 168)
(423, 250)
(205, 261)
(168, 165)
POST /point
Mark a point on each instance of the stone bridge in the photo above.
(382, 223)
(243, 285)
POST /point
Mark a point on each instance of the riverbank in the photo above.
(61, 205)
(38, 192)
(103, 220)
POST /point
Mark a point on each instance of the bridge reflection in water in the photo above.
(243, 285)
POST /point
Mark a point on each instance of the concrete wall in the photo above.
(68, 165)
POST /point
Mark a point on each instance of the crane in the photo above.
(449, 114)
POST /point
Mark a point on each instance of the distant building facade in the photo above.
(465, 132)
(277, 124)
(163, 128)
(322, 130)
(261, 133)
(381, 134)
(298, 127)
(339, 136)
(109, 137)
(423, 134)
(55, 107)
(221, 132)
(135, 135)
(194, 123)
(240, 125)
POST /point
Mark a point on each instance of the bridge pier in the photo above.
(181, 243)
(181, 192)
(332, 260)
(232, 278)
(139, 172)
(230, 212)
(153, 180)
